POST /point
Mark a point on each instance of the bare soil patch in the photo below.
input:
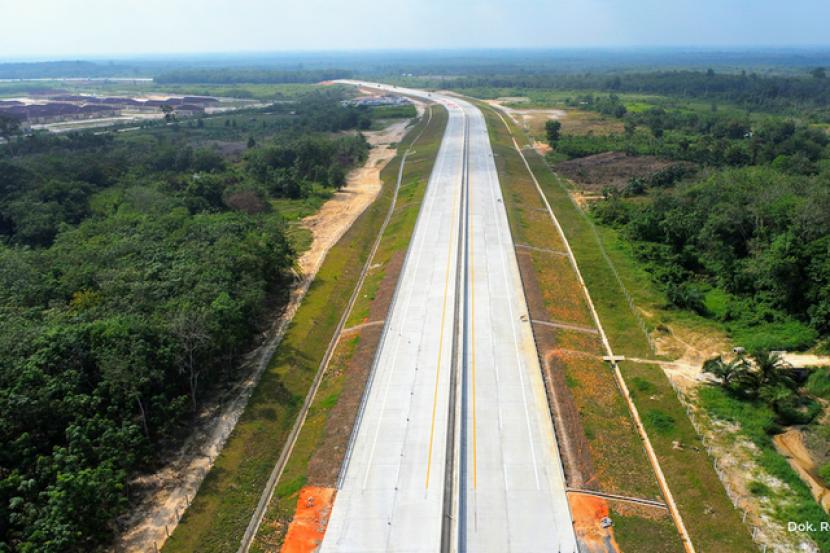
(589, 513)
(305, 533)
(363, 184)
(615, 169)
(791, 445)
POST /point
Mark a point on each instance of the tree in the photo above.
(169, 115)
(630, 127)
(190, 329)
(9, 127)
(552, 131)
(772, 369)
(732, 374)
(819, 73)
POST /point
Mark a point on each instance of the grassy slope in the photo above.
(395, 240)
(220, 512)
(713, 523)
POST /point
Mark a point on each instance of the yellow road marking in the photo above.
(440, 348)
(472, 324)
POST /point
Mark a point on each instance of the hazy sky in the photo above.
(66, 28)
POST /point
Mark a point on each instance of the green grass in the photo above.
(394, 241)
(242, 90)
(221, 510)
(293, 211)
(633, 530)
(712, 522)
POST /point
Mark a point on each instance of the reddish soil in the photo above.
(610, 169)
(305, 533)
(588, 513)
(574, 447)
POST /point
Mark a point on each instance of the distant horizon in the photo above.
(232, 54)
(60, 29)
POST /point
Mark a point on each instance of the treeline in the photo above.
(69, 68)
(249, 76)
(748, 246)
(134, 272)
(710, 138)
(751, 91)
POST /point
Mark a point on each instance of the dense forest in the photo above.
(742, 234)
(134, 271)
(748, 246)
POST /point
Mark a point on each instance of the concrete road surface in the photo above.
(492, 481)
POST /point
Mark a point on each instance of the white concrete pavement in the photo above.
(512, 475)
(509, 494)
(391, 495)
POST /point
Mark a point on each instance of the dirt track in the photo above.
(362, 187)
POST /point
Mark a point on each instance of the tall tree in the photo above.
(552, 131)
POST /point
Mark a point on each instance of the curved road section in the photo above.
(455, 438)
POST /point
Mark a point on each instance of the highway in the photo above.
(454, 448)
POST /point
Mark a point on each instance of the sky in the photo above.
(60, 29)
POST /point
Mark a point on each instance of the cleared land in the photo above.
(614, 169)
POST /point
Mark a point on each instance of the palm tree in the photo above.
(772, 369)
(731, 373)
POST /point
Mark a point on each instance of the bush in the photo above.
(818, 383)
(687, 295)
(797, 410)
(759, 489)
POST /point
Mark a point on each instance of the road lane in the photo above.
(391, 494)
(510, 493)
(515, 490)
